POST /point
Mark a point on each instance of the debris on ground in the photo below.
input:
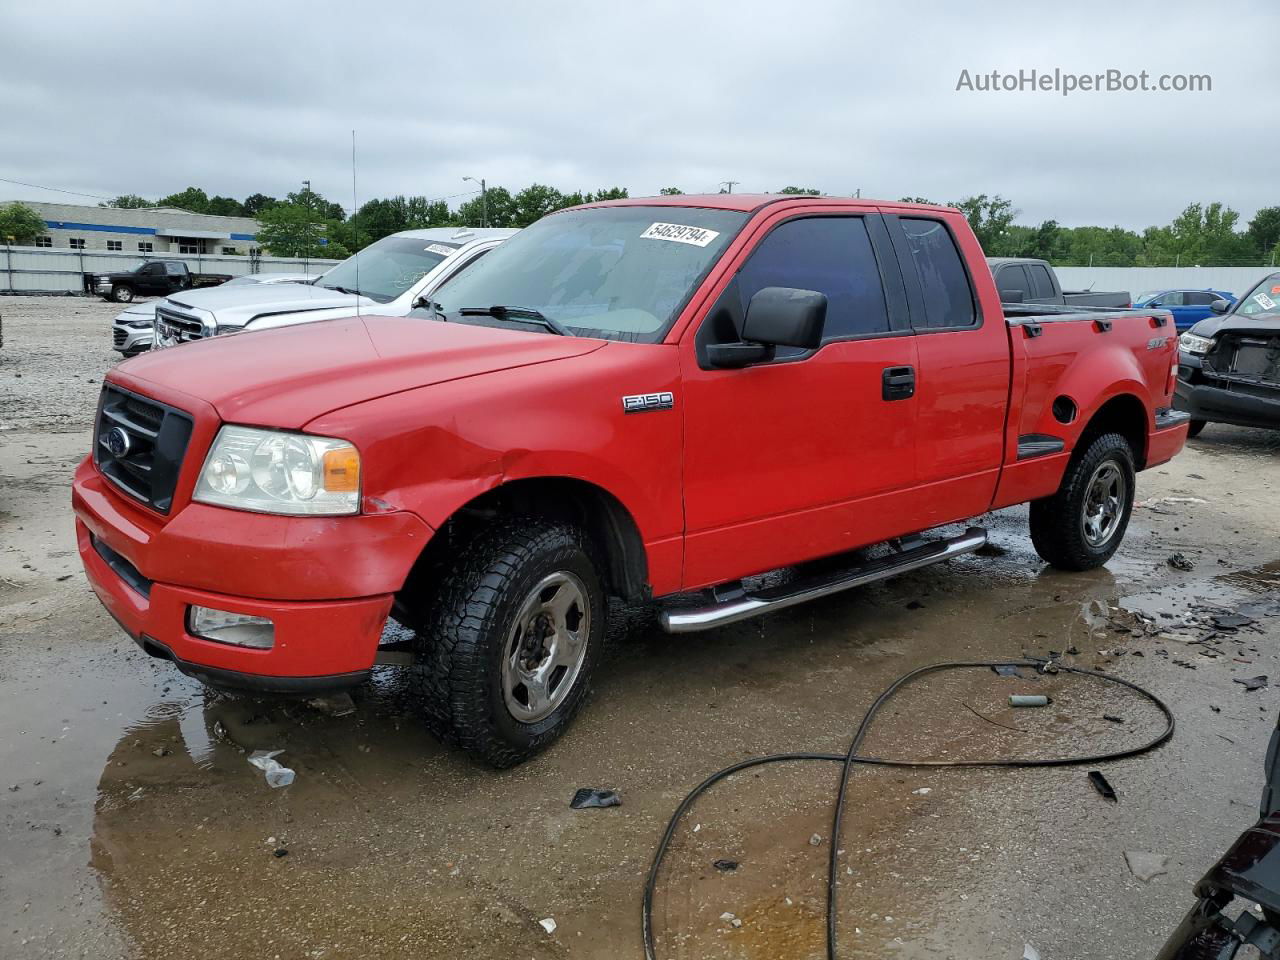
(1006, 670)
(160, 752)
(725, 866)
(277, 775)
(1146, 866)
(1231, 621)
(815, 840)
(334, 705)
(1180, 561)
(588, 797)
(1029, 952)
(548, 925)
(1253, 683)
(280, 852)
(923, 791)
(1101, 784)
(1113, 718)
(1023, 700)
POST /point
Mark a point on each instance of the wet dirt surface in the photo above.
(132, 825)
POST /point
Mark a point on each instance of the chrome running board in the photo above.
(734, 604)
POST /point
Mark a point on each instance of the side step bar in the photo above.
(739, 605)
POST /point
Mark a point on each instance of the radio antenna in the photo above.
(355, 222)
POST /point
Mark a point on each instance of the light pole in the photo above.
(730, 184)
(484, 199)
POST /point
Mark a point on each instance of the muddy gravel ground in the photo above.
(132, 825)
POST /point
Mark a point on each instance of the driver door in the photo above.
(810, 453)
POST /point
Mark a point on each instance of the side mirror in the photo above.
(776, 317)
(1012, 296)
(1220, 306)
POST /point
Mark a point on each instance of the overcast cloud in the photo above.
(237, 98)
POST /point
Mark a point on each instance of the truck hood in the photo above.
(239, 304)
(1234, 323)
(287, 377)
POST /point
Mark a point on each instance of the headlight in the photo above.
(139, 324)
(1193, 344)
(270, 471)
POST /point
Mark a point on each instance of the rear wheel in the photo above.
(122, 293)
(1194, 428)
(505, 656)
(1081, 526)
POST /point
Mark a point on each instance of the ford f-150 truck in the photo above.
(658, 399)
(387, 277)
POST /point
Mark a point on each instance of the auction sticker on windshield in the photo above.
(679, 233)
(1264, 301)
(439, 248)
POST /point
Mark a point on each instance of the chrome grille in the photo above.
(173, 328)
(139, 444)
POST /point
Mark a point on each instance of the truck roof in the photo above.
(750, 202)
(459, 234)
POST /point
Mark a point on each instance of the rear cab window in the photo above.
(938, 284)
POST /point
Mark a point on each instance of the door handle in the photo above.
(898, 383)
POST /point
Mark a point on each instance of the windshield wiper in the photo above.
(353, 293)
(502, 312)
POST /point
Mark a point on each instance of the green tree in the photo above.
(224, 207)
(534, 202)
(292, 230)
(128, 201)
(193, 199)
(498, 207)
(318, 205)
(671, 192)
(255, 203)
(381, 218)
(611, 193)
(19, 224)
(990, 218)
(802, 191)
(914, 200)
(421, 213)
(1264, 229)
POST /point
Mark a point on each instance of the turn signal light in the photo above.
(342, 470)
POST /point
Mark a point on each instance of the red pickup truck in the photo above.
(648, 398)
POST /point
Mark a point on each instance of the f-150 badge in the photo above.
(644, 402)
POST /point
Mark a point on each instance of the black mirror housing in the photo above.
(785, 317)
(1012, 296)
(1220, 305)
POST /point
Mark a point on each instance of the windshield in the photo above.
(1149, 295)
(1264, 299)
(622, 273)
(387, 268)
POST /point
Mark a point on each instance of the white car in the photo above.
(389, 278)
(133, 331)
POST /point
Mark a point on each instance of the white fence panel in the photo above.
(44, 270)
(1138, 280)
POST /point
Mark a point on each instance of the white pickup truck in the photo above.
(389, 277)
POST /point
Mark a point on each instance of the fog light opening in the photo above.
(237, 629)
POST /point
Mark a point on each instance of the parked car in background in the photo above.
(1187, 306)
(644, 398)
(133, 331)
(1026, 280)
(388, 277)
(1229, 363)
(155, 278)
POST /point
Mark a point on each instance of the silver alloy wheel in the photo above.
(1104, 504)
(123, 295)
(546, 647)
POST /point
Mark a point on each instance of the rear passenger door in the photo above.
(806, 454)
(962, 392)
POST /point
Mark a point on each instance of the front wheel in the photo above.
(1081, 526)
(505, 656)
(122, 293)
(1194, 427)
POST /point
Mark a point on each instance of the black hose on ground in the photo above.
(851, 757)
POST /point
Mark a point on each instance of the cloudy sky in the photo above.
(121, 97)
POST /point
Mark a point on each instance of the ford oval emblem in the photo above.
(118, 442)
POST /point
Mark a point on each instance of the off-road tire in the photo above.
(122, 293)
(1056, 527)
(459, 648)
(1194, 428)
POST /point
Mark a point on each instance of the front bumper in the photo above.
(1224, 401)
(327, 584)
(127, 339)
